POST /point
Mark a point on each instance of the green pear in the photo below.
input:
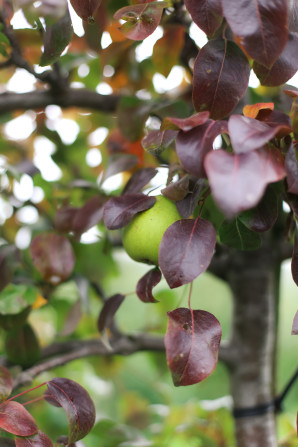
(142, 236)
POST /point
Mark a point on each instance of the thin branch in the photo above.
(59, 354)
(39, 99)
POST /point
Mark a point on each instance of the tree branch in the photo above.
(39, 99)
(59, 354)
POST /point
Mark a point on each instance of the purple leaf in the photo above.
(185, 124)
(5, 383)
(89, 215)
(139, 179)
(207, 14)
(275, 118)
(186, 250)
(283, 68)
(157, 141)
(192, 146)
(294, 263)
(118, 211)
(15, 419)
(63, 220)
(142, 19)
(264, 215)
(187, 206)
(146, 284)
(77, 404)
(85, 8)
(295, 325)
(238, 181)
(192, 343)
(72, 319)
(221, 73)
(109, 310)
(52, 255)
(291, 164)
(177, 190)
(293, 203)
(261, 27)
(38, 440)
(248, 134)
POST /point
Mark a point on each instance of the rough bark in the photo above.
(253, 277)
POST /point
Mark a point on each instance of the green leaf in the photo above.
(56, 38)
(14, 298)
(237, 235)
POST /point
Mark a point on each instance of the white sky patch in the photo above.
(104, 89)
(98, 136)
(23, 238)
(53, 112)
(294, 80)
(23, 189)
(253, 80)
(21, 127)
(91, 236)
(159, 182)
(38, 194)
(162, 84)
(112, 183)
(93, 157)
(217, 143)
(77, 22)
(83, 70)
(21, 82)
(145, 49)
(6, 210)
(198, 35)
(67, 129)
(19, 20)
(43, 149)
(27, 215)
(106, 40)
(108, 71)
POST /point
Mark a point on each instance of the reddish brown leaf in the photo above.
(207, 14)
(63, 220)
(248, 134)
(274, 118)
(187, 206)
(120, 163)
(165, 54)
(291, 164)
(139, 179)
(118, 211)
(109, 310)
(238, 181)
(192, 146)
(186, 250)
(252, 110)
(221, 73)
(294, 264)
(264, 215)
(146, 284)
(157, 141)
(85, 8)
(5, 383)
(283, 68)
(22, 346)
(15, 419)
(177, 190)
(77, 404)
(53, 256)
(38, 440)
(89, 215)
(185, 124)
(261, 26)
(141, 19)
(295, 325)
(192, 343)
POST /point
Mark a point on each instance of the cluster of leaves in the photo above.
(20, 426)
(231, 196)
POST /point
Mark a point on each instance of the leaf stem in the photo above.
(189, 295)
(27, 391)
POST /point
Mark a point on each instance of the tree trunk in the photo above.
(254, 279)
